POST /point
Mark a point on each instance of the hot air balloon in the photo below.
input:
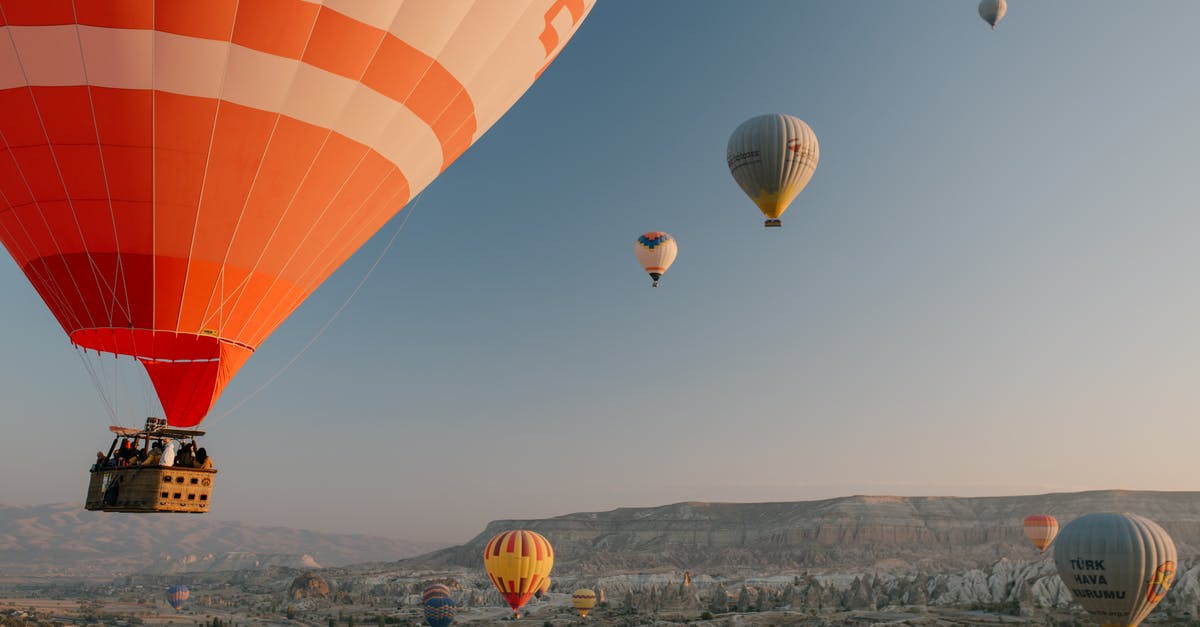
(656, 252)
(772, 157)
(543, 589)
(176, 595)
(1118, 566)
(177, 177)
(439, 611)
(435, 590)
(1041, 529)
(517, 562)
(583, 600)
(992, 11)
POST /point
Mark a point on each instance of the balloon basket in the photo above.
(772, 223)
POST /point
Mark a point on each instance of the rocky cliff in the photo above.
(877, 532)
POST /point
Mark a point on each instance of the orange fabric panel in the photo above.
(40, 13)
(202, 276)
(284, 168)
(81, 170)
(38, 171)
(20, 124)
(123, 116)
(188, 389)
(238, 144)
(209, 19)
(183, 128)
(342, 45)
(12, 185)
(117, 13)
(279, 27)
(65, 114)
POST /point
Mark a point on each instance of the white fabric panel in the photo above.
(378, 13)
(428, 24)
(510, 70)
(260, 81)
(117, 58)
(186, 65)
(11, 74)
(49, 54)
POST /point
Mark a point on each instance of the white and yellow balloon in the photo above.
(772, 157)
(656, 252)
(1118, 566)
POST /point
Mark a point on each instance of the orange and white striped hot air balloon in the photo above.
(517, 562)
(1041, 529)
(177, 176)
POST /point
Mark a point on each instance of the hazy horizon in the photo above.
(987, 288)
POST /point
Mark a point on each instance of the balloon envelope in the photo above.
(517, 562)
(1118, 566)
(439, 611)
(772, 157)
(435, 590)
(583, 600)
(177, 177)
(992, 11)
(1041, 529)
(177, 595)
(656, 252)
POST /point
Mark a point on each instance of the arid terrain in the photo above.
(850, 561)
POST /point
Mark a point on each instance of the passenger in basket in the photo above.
(127, 453)
(186, 455)
(203, 461)
(168, 454)
(155, 454)
(101, 460)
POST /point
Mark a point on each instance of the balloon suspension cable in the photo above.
(108, 403)
(407, 214)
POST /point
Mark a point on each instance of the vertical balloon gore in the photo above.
(176, 178)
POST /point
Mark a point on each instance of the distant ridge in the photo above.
(64, 540)
(892, 532)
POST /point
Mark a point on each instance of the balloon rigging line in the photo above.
(407, 214)
(108, 404)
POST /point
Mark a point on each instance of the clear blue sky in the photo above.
(988, 287)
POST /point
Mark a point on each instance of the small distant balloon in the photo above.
(439, 611)
(1118, 566)
(656, 252)
(583, 600)
(1041, 529)
(435, 590)
(517, 561)
(992, 11)
(177, 595)
(772, 158)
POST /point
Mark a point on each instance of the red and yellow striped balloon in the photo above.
(517, 563)
(177, 176)
(583, 600)
(1041, 529)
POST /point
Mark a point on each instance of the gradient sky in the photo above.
(988, 288)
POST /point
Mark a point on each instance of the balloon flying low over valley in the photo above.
(985, 288)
